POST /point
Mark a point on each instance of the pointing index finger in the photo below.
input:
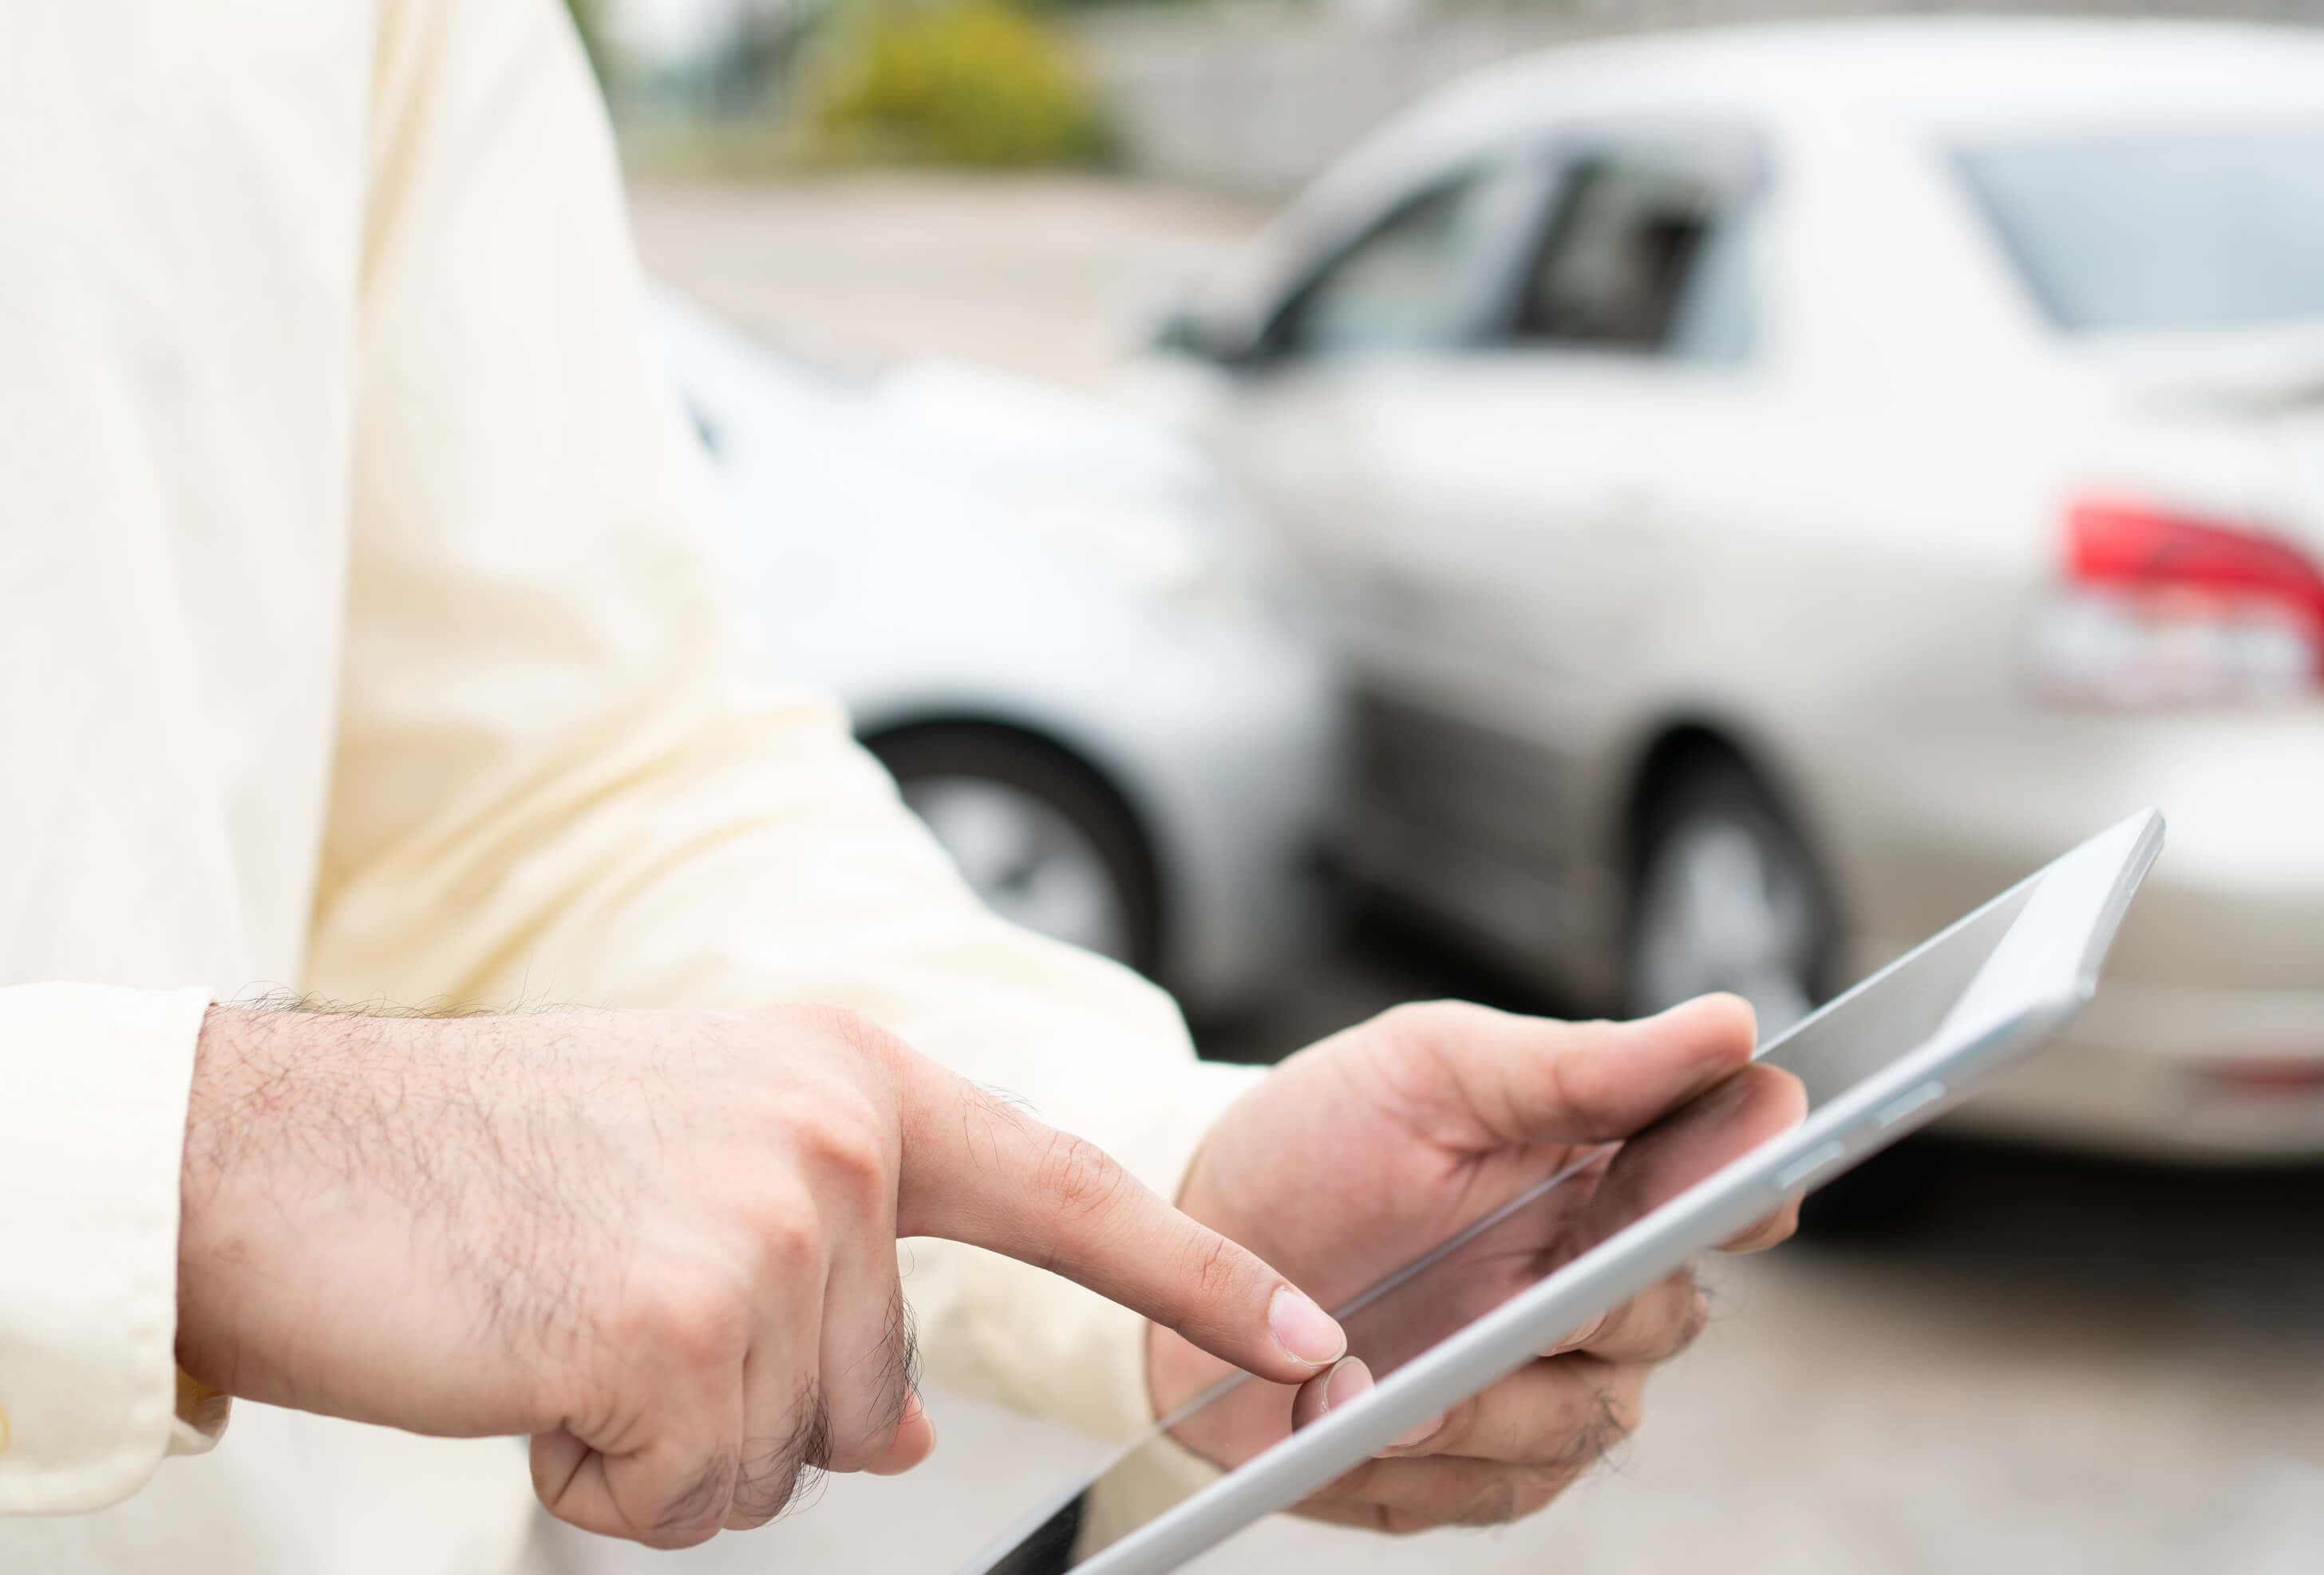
(981, 1171)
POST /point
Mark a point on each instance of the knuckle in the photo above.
(1593, 1423)
(694, 1515)
(855, 1447)
(780, 1468)
(850, 1146)
(1431, 1020)
(765, 1488)
(858, 1042)
(697, 1320)
(1535, 1490)
(1214, 1266)
(1491, 1502)
(1614, 1414)
(854, 1033)
(1400, 1522)
(1609, 1332)
(1694, 1317)
(779, 1230)
(1410, 1016)
(1459, 1430)
(789, 1235)
(1078, 1177)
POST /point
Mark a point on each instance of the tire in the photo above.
(1713, 798)
(1725, 897)
(1043, 840)
(1884, 1199)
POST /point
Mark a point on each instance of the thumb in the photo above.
(1534, 1080)
(979, 1170)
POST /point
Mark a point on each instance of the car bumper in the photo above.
(2197, 1075)
(2205, 1039)
(1239, 758)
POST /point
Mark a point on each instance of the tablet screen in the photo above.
(1503, 1251)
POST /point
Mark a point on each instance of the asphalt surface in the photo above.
(1051, 275)
(1988, 1360)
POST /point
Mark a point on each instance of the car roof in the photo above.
(1944, 77)
(1959, 73)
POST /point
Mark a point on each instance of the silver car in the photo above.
(1044, 617)
(1777, 487)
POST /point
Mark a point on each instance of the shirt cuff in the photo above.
(93, 1088)
(201, 1416)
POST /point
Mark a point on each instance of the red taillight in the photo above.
(2110, 543)
(2162, 609)
(2288, 1078)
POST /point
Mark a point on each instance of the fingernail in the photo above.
(1304, 1330)
(1350, 1380)
(1420, 1434)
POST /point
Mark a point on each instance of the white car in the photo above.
(1043, 616)
(1777, 487)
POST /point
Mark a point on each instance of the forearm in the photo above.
(781, 867)
(562, 775)
(393, 1140)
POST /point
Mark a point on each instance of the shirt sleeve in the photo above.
(93, 1085)
(562, 773)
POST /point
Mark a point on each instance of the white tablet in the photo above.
(1889, 1056)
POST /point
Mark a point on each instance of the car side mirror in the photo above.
(1175, 324)
(1178, 330)
(1172, 323)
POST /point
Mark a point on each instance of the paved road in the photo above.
(2051, 1366)
(1046, 274)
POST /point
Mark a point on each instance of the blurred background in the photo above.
(1574, 503)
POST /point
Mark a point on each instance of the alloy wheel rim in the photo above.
(1723, 907)
(1026, 860)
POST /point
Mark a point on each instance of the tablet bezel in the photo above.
(2040, 972)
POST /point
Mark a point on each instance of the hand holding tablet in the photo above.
(1367, 1149)
(1532, 1170)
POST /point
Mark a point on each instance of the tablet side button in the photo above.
(1820, 1158)
(1927, 1094)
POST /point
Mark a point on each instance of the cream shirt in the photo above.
(364, 631)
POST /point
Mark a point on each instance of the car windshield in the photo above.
(2160, 230)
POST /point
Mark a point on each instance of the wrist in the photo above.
(218, 1122)
(281, 1130)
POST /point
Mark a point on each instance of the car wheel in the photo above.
(1888, 1196)
(1043, 840)
(1726, 898)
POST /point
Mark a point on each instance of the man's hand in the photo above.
(1365, 1150)
(662, 1244)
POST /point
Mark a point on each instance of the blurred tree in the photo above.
(975, 82)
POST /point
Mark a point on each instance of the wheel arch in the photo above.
(890, 730)
(1686, 742)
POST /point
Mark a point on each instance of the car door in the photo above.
(1486, 515)
(1619, 354)
(1411, 289)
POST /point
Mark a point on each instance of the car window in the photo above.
(1639, 252)
(2160, 229)
(1401, 286)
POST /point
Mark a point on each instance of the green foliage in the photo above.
(588, 20)
(955, 82)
